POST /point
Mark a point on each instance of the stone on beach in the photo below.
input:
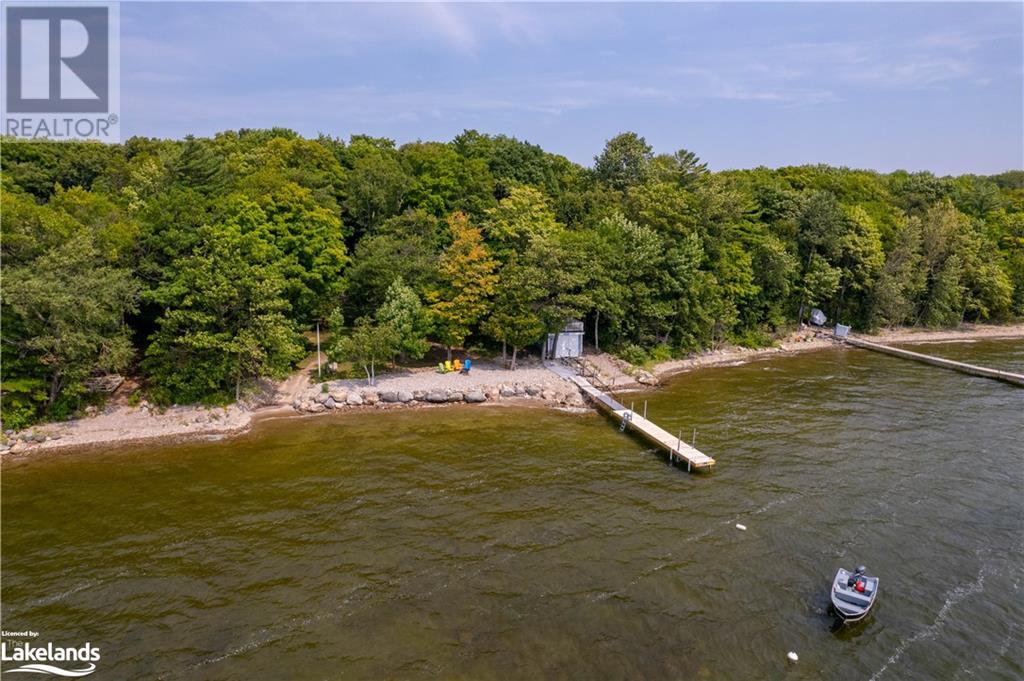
(389, 396)
(436, 396)
(354, 399)
(475, 396)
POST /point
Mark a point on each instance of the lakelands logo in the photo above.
(36, 659)
(62, 71)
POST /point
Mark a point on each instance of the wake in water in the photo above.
(953, 597)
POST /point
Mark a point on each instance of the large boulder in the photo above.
(316, 408)
(506, 391)
(388, 396)
(405, 396)
(339, 396)
(436, 396)
(454, 397)
(574, 399)
(370, 397)
(419, 395)
(519, 389)
(354, 399)
(474, 396)
(645, 377)
(330, 403)
(533, 390)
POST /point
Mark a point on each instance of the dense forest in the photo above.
(197, 264)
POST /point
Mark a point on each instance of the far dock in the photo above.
(997, 374)
(627, 418)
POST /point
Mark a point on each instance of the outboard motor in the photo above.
(859, 582)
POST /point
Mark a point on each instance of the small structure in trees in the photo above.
(566, 343)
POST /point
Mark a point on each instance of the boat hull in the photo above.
(849, 604)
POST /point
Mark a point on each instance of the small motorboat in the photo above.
(853, 594)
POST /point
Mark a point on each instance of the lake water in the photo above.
(510, 543)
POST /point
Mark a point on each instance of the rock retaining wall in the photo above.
(323, 397)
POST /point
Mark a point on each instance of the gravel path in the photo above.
(481, 377)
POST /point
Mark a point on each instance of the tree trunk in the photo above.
(449, 349)
(504, 354)
(597, 342)
(369, 378)
(515, 351)
(54, 387)
(373, 373)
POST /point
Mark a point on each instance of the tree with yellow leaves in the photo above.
(467, 281)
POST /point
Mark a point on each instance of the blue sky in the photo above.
(919, 86)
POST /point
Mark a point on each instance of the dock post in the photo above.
(645, 409)
(694, 445)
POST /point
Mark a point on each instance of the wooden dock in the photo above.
(997, 374)
(627, 418)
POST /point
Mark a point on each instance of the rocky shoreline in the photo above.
(124, 425)
(338, 396)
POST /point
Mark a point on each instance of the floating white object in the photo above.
(740, 527)
(793, 657)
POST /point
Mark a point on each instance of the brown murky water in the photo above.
(498, 543)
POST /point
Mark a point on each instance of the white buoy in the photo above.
(740, 527)
(793, 657)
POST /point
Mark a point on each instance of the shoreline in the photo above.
(531, 386)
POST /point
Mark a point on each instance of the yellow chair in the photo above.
(457, 365)
(448, 366)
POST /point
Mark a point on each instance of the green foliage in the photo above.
(624, 162)
(368, 345)
(225, 319)
(466, 283)
(518, 219)
(633, 353)
(514, 319)
(64, 321)
(404, 313)
(237, 241)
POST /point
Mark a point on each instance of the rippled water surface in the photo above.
(506, 543)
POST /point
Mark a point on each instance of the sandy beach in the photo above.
(120, 424)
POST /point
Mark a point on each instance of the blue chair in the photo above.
(466, 365)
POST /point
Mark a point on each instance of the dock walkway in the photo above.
(676, 448)
(997, 374)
